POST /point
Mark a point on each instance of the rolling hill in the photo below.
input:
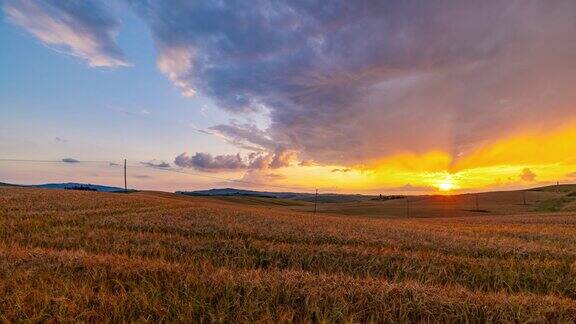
(82, 256)
(69, 185)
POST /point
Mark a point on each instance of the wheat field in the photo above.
(149, 256)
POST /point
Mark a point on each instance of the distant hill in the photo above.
(557, 188)
(4, 184)
(309, 197)
(229, 192)
(72, 185)
(69, 185)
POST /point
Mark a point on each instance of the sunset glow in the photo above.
(288, 161)
(446, 184)
(443, 99)
(502, 164)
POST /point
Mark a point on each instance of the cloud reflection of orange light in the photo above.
(550, 156)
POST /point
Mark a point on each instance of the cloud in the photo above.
(128, 111)
(408, 187)
(60, 140)
(276, 176)
(261, 179)
(70, 160)
(209, 163)
(176, 64)
(199, 130)
(571, 175)
(350, 82)
(528, 175)
(154, 164)
(341, 170)
(246, 136)
(344, 82)
(307, 163)
(405, 189)
(113, 164)
(280, 158)
(411, 188)
(84, 29)
(259, 160)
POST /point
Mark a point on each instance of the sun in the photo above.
(446, 184)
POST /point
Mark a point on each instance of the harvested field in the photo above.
(147, 256)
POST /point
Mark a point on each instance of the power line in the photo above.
(125, 182)
(219, 178)
(315, 201)
(115, 164)
(407, 206)
(53, 161)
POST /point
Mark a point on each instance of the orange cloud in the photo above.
(526, 148)
(525, 157)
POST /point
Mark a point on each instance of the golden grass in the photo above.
(490, 203)
(84, 256)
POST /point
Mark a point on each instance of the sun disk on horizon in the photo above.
(446, 184)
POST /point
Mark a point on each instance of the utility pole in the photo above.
(477, 205)
(407, 206)
(524, 197)
(125, 182)
(315, 201)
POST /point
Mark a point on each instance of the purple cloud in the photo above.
(84, 29)
(280, 158)
(343, 82)
(347, 82)
(207, 162)
(70, 160)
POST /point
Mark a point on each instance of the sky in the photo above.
(345, 96)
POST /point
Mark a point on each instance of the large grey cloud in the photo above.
(84, 29)
(279, 158)
(207, 162)
(350, 81)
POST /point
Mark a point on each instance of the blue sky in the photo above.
(99, 114)
(52, 105)
(347, 96)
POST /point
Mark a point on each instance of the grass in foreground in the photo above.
(81, 256)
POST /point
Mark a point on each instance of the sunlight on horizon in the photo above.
(440, 103)
(546, 157)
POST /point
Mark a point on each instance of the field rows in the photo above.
(150, 256)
